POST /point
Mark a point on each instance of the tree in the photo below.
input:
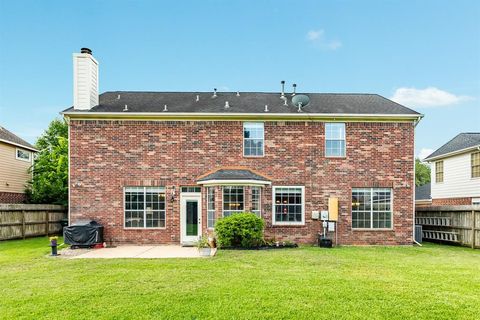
(49, 183)
(422, 173)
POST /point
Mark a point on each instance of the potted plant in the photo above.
(203, 246)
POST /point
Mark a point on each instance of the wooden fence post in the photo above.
(47, 217)
(23, 224)
(473, 229)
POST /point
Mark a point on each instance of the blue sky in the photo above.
(424, 54)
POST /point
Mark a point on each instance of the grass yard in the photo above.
(431, 282)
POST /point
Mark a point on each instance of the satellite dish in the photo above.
(300, 100)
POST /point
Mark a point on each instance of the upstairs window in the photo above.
(253, 139)
(233, 200)
(439, 171)
(476, 164)
(335, 139)
(144, 207)
(256, 201)
(23, 155)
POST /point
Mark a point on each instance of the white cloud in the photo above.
(318, 39)
(428, 97)
(424, 152)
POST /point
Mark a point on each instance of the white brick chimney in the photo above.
(85, 80)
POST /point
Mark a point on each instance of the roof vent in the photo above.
(198, 98)
(294, 89)
(283, 89)
(227, 105)
(118, 97)
(238, 93)
(214, 93)
(266, 108)
(285, 101)
(85, 50)
(125, 108)
(165, 108)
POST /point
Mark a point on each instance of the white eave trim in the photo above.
(228, 115)
(453, 153)
(234, 182)
(18, 145)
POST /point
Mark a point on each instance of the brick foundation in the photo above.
(12, 197)
(451, 201)
(106, 156)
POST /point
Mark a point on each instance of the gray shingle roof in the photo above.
(423, 192)
(246, 102)
(9, 137)
(461, 141)
(232, 174)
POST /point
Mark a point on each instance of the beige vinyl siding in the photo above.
(13, 172)
(457, 178)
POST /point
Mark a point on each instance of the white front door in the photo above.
(190, 217)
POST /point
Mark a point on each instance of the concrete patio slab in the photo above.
(147, 252)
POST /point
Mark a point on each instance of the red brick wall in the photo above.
(108, 155)
(451, 201)
(12, 197)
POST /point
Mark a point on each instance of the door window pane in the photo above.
(192, 218)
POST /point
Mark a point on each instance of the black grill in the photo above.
(83, 234)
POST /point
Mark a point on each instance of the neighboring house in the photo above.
(16, 158)
(162, 167)
(423, 195)
(455, 173)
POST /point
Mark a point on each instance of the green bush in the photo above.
(240, 230)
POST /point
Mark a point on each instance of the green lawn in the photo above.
(343, 283)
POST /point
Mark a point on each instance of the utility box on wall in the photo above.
(333, 209)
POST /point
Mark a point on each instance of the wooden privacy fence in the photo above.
(455, 224)
(30, 220)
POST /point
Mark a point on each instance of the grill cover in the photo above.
(83, 233)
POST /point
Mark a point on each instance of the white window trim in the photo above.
(243, 187)
(288, 223)
(371, 211)
(144, 206)
(243, 140)
(344, 139)
(21, 159)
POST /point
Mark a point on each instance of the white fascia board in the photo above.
(259, 115)
(234, 182)
(18, 145)
(453, 153)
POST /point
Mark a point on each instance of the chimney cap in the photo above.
(85, 50)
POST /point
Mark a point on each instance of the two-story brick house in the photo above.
(162, 167)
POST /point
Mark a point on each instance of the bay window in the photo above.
(210, 207)
(233, 200)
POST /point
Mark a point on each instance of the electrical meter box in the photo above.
(315, 215)
(324, 215)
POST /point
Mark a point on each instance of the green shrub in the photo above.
(240, 230)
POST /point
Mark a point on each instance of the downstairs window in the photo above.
(372, 208)
(144, 207)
